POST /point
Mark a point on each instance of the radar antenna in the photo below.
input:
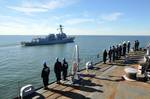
(61, 29)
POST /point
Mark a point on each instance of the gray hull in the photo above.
(62, 41)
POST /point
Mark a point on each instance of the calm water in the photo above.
(22, 65)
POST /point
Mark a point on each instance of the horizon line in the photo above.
(75, 35)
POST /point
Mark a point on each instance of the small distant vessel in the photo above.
(50, 39)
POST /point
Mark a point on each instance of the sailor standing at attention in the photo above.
(57, 70)
(138, 43)
(64, 68)
(135, 45)
(124, 48)
(104, 56)
(129, 44)
(110, 54)
(45, 75)
(114, 53)
(117, 52)
(120, 50)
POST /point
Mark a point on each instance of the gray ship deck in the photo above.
(107, 84)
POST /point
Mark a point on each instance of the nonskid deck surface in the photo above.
(107, 84)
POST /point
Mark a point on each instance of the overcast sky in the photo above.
(79, 17)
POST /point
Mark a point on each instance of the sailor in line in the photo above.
(113, 53)
(120, 50)
(136, 45)
(45, 75)
(110, 54)
(64, 68)
(57, 70)
(124, 48)
(117, 52)
(104, 56)
(129, 44)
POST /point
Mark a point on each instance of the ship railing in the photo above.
(10, 91)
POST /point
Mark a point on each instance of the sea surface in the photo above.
(21, 65)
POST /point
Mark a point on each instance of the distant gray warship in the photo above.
(50, 39)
